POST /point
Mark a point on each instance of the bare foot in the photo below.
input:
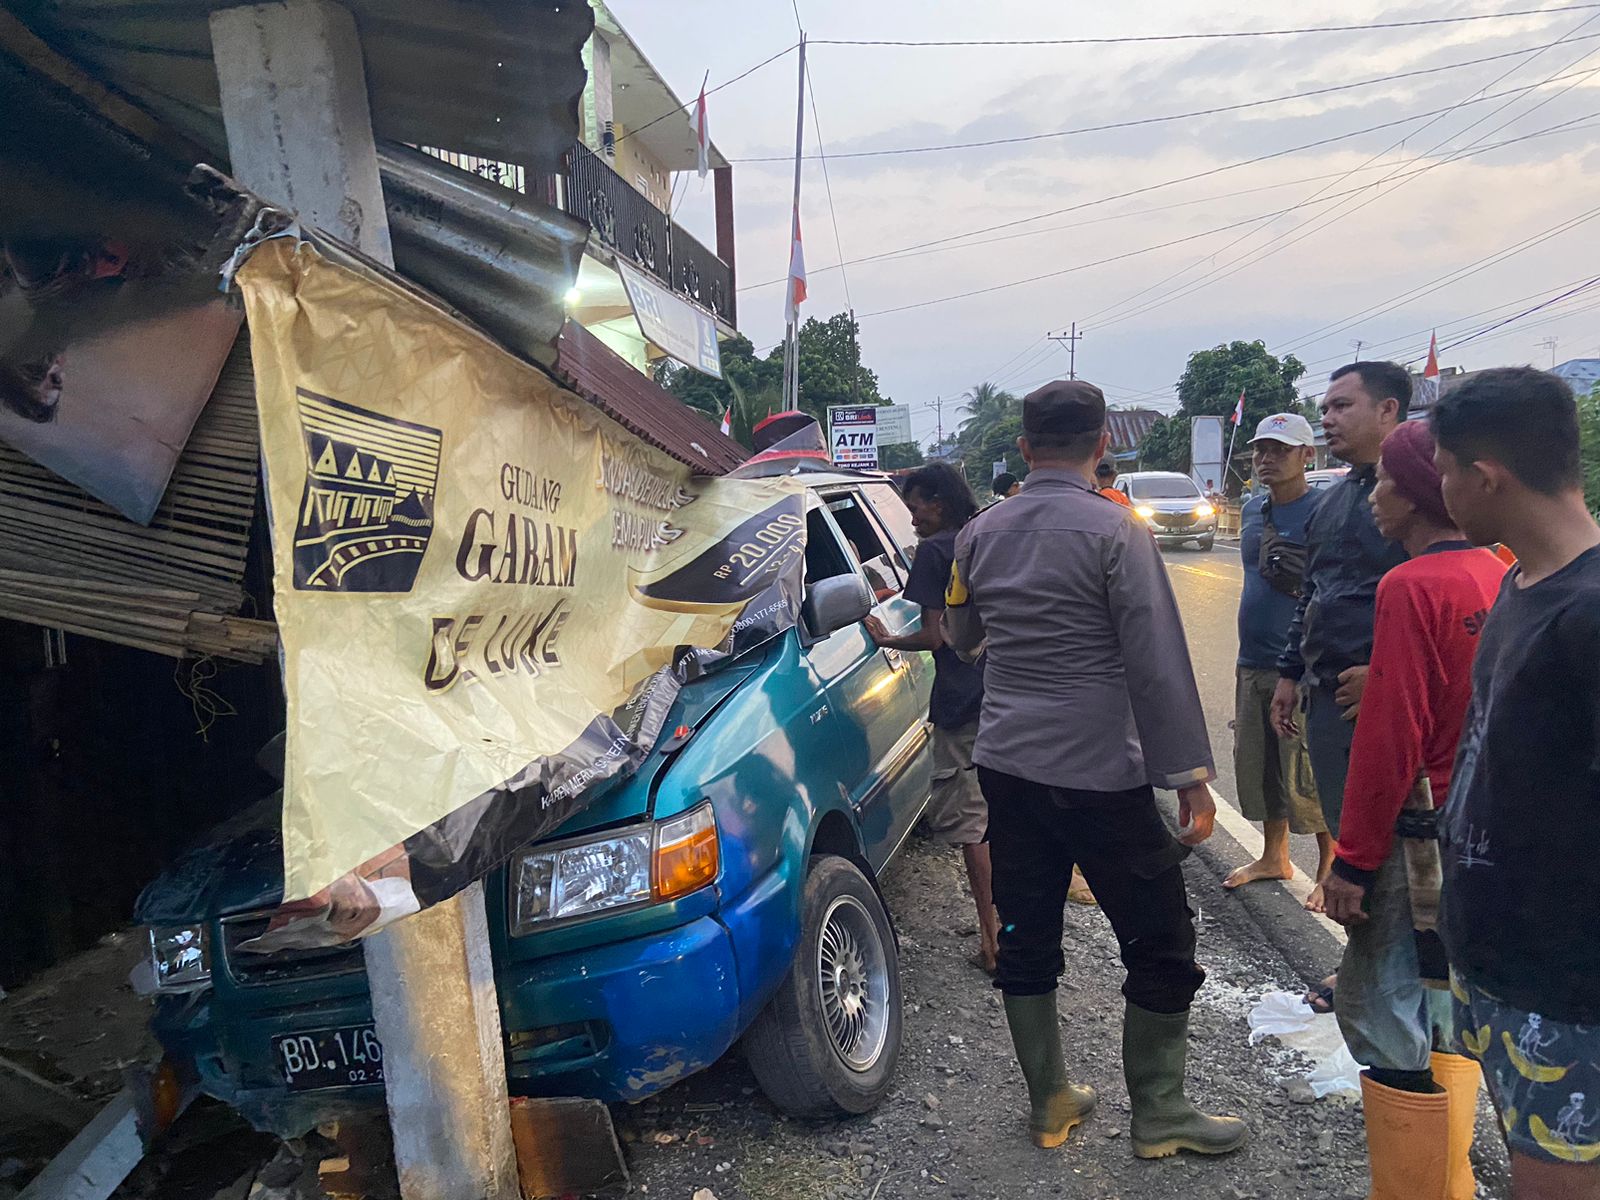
(1255, 872)
(1078, 890)
(1314, 902)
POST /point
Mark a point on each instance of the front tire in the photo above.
(1207, 542)
(829, 1039)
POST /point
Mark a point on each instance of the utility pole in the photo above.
(295, 109)
(1071, 339)
(791, 340)
(938, 412)
(1550, 344)
(1358, 343)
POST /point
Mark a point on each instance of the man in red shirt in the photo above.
(1430, 610)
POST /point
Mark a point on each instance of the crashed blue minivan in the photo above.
(724, 892)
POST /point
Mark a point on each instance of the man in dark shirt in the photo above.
(1273, 774)
(1522, 824)
(941, 503)
(1330, 640)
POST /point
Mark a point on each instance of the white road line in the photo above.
(1249, 837)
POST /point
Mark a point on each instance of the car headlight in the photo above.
(178, 954)
(1144, 510)
(1204, 510)
(661, 861)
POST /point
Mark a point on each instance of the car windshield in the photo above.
(1163, 489)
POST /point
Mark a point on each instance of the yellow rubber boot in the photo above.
(1408, 1142)
(1460, 1077)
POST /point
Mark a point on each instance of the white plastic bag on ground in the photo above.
(1291, 1020)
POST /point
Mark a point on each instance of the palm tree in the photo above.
(986, 406)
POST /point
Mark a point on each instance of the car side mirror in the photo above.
(831, 604)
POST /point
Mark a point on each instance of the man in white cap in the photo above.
(1273, 774)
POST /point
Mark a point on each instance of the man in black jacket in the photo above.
(1330, 641)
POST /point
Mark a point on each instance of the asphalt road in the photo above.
(1207, 585)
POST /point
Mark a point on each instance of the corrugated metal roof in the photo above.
(641, 405)
(1129, 426)
(499, 78)
(506, 260)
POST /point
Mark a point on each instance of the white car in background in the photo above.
(1172, 505)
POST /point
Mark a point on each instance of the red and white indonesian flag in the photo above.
(727, 424)
(702, 136)
(797, 275)
(1238, 409)
(1428, 392)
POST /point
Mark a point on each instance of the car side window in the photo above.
(825, 557)
(892, 512)
(878, 560)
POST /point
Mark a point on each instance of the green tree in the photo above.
(986, 406)
(1210, 386)
(1589, 444)
(998, 442)
(898, 457)
(751, 388)
(1166, 446)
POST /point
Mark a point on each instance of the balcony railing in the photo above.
(623, 218)
(635, 228)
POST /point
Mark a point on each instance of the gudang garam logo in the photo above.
(367, 512)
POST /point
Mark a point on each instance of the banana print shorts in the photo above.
(1543, 1075)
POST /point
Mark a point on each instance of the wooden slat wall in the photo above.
(69, 561)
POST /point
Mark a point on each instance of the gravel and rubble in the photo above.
(955, 1124)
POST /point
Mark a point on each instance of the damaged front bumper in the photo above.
(615, 1022)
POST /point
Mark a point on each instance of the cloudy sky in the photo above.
(1429, 221)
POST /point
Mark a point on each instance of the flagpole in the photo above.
(791, 344)
(1238, 415)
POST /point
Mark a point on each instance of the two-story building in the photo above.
(637, 152)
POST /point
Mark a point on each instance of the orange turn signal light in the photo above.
(687, 853)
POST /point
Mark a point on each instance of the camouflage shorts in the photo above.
(1543, 1075)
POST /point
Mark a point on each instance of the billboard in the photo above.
(1206, 453)
(489, 593)
(853, 435)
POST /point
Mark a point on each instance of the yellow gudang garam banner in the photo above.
(488, 591)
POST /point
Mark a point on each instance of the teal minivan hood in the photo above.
(240, 867)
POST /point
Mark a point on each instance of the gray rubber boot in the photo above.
(1154, 1046)
(1056, 1105)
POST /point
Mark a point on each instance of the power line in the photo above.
(1137, 122)
(1527, 312)
(827, 183)
(1460, 273)
(1127, 254)
(1307, 339)
(628, 133)
(1277, 242)
(1166, 183)
(1191, 37)
(1464, 321)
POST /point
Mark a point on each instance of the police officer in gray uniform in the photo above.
(1090, 702)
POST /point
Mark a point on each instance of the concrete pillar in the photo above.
(294, 102)
(434, 999)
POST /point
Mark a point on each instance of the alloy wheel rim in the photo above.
(853, 975)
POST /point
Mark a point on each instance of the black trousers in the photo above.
(1131, 860)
